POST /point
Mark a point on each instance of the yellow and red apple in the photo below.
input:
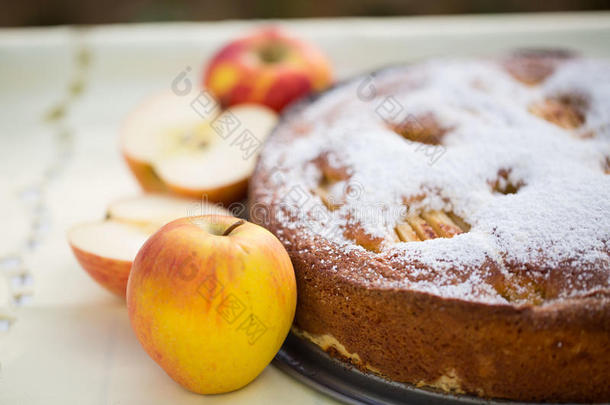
(171, 148)
(106, 249)
(211, 299)
(267, 67)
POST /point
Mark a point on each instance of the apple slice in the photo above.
(106, 249)
(171, 145)
(156, 210)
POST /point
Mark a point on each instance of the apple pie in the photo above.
(449, 223)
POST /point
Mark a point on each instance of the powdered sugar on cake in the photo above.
(557, 221)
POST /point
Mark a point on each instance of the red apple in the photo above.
(267, 67)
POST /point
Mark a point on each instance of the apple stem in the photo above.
(232, 227)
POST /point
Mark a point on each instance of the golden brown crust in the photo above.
(557, 352)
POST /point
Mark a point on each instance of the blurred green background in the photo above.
(54, 12)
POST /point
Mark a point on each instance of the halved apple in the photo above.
(106, 249)
(173, 144)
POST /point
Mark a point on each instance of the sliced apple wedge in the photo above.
(106, 249)
(174, 145)
(155, 210)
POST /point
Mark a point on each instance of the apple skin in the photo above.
(192, 296)
(111, 274)
(238, 74)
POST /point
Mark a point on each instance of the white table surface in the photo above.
(68, 341)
